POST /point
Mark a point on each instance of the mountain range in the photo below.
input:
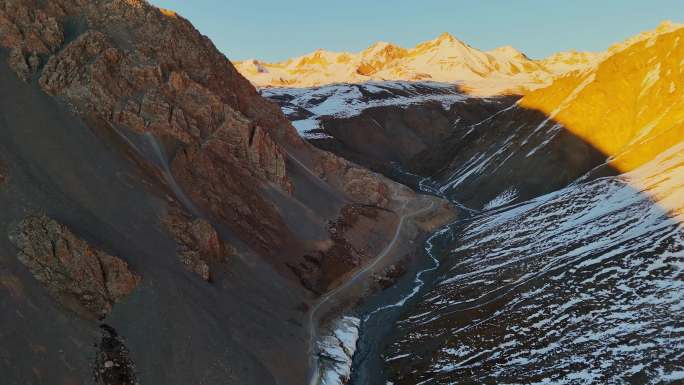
(445, 59)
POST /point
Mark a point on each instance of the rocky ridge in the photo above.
(164, 80)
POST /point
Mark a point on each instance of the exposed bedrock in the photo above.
(80, 277)
(200, 247)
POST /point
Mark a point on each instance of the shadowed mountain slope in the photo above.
(124, 125)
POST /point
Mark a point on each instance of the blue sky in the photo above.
(277, 29)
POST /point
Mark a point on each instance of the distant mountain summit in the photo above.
(443, 59)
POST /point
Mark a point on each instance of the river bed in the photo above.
(380, 312)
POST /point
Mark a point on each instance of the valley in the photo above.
(565, 266)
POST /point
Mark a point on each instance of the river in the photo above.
(380, 312)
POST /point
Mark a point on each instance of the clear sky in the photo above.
(278, 29)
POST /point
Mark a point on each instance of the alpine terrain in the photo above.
(567, 264)
(427, 215)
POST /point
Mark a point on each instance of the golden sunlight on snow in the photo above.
(444, 59)
(631, 107)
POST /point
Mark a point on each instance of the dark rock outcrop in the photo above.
(113, 364)
(82, 278)
(30, 33)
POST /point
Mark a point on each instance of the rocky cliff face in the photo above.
(200, 246)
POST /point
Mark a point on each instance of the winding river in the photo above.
(380, 312)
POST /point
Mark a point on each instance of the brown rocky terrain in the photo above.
(126, 125)
(199, 245)
(83, 279)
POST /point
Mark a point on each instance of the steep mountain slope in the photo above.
(214, 225)
(628, 109)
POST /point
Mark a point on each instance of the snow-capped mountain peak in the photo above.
(508, 51)
(443, 59)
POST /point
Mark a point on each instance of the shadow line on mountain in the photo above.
(535, 158)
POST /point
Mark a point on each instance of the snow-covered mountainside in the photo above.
(581, 286)
(444, 59)
(308, 107)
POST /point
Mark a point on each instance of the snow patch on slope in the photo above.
(336, 351)
(502, 199)
(581, 286)
(307, 107)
